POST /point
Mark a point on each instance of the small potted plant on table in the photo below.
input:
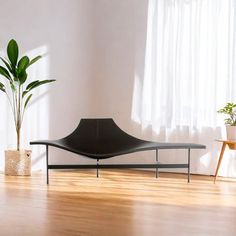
(230, 111)
(18, 162)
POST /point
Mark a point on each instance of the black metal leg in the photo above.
(157, 172)
(47, 163)
(97, 168)
(188, 165)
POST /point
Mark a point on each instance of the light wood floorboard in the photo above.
(119, 202)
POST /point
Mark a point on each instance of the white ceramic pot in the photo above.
(18, 162)
(231, 132)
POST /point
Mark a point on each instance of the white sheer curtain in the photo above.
(190, 64)
(190, 72)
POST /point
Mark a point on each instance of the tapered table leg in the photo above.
(220, 159)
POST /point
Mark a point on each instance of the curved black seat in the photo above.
(102, 138)
(99, 139)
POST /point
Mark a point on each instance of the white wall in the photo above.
(118, 47)
(119, 52)
(120, 35)
(63, 30)
(95, 50)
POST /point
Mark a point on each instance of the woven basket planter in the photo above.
(18, 162)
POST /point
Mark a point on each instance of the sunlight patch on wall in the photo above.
(135, 116)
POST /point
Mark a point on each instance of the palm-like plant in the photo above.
(18, 94)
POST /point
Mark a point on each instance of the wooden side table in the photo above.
(231, 144)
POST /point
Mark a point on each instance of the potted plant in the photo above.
(19, 93)
(230, 111)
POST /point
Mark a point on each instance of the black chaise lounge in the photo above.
(102, 138)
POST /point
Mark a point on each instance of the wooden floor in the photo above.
(118, 203)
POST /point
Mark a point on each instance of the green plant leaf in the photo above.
(16, 79)
(13, 87)
(36, 84)
(2, 87)
(7, 64)
(29, 87)
(27, 100)
(5, 73)
(22, 77)
(24, 93)
(3, 90)
(41, 83)
(12, 52)
(31, 84)
(23, 64)
(229, 110)
(34, 60)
